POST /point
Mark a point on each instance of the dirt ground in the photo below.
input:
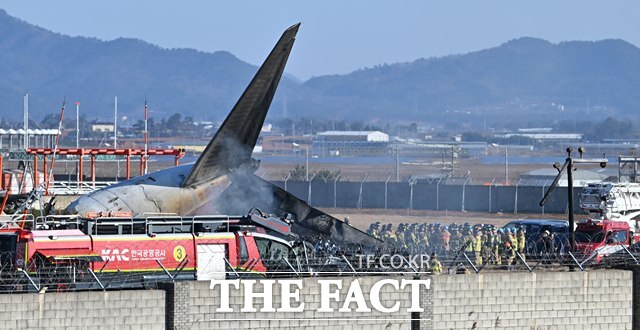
(362, 218)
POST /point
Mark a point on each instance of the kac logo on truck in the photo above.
(115, 254)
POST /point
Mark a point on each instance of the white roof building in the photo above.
(365, 136)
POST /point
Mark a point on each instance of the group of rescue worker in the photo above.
(482, 243)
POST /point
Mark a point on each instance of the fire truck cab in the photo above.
(603, 237)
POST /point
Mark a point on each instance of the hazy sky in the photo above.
(336, 36)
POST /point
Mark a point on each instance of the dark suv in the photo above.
(535, 227)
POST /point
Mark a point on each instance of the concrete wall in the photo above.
(545, 300)
(195, 308)
(431, 196)
(141, 309)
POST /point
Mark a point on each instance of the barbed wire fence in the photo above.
(61, 274)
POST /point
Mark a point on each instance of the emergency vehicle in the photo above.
(603, 237)
(619, 201)
(200, 247)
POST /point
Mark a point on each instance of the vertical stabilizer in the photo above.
(233, 144)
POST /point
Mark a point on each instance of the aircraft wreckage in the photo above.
(221, 181)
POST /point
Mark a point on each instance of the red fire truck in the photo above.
(603, 237)
(202, 247)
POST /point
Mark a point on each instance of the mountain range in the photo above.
(525, 78)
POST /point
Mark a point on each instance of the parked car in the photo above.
(534, 228)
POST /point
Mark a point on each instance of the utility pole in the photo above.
(568, 165)
(506, 166)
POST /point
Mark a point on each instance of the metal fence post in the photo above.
(359, 205)
(491, 184)
(412, 182)
(543, 185)
(385, 191)
(309, 196)
(285, 181)
(515, 206)
(334, 190)
(438, 194)
(464, 185)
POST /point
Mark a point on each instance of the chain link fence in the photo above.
(450, 193)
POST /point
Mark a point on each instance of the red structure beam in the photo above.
(93, 152)
(44, 168)
(80, 167)
(128, 164)
(102, 151)
(93, 169)
(35, 177)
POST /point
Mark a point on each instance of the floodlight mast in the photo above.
(568, 165)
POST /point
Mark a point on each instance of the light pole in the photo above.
(115, 124)
(26, 121)
(77, 125)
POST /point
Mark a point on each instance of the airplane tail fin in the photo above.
(233, 144)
